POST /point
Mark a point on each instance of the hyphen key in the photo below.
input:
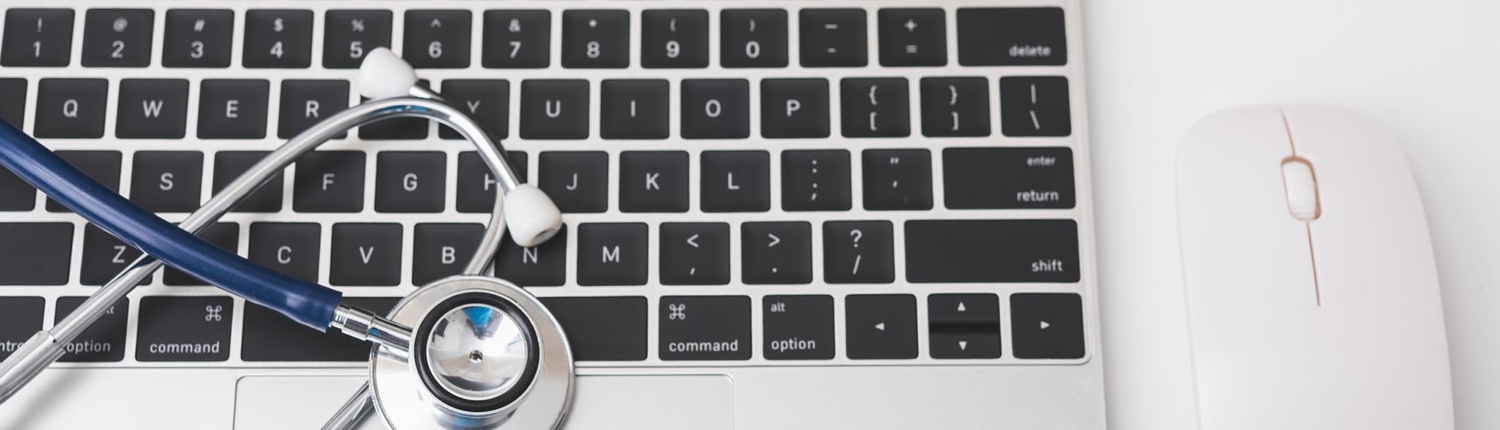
(992, 251)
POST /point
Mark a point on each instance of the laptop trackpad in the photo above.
(599, 402)
(655, 402)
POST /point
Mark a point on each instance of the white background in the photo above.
(1428, 69)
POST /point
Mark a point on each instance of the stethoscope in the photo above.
(468, 351)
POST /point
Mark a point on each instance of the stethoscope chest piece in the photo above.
(485, 355)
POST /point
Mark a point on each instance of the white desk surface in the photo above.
(1429, 69)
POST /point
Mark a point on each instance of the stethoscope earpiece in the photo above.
(531, 216)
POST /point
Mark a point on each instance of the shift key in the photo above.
(992, 251)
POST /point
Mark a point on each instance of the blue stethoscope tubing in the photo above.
(307, 303)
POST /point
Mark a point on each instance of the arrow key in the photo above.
(963, 325)
(1047, 326)
(881, 326)
(694, 253)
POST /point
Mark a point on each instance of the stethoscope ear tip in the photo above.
(531, 215)
(383, 75)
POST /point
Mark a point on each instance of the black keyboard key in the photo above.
(752, 38)
(103, 341)
(913, 37)
(613, 254)
(13, 101)
(694, 253)
(858, 252)
(103, 257)
(963, 326)
(596, 39)
(992, 251)
(674, 39)
(20, 318)
(1012, 37)
(117, 37)
(555, 109)
(654, 181)
(776, 252)
(71, 108)
(365, 255)
(167, 181)
(152, 109)
(798, 327)
(410, 182)
(289, 248)
(15, 194)
(735, 181)
(442, 250)
(233, 108)
(329, 181)
(1047, 326)
(544, 265)
(897, 179)
(833, 38)
(578, 182)
(102, 166)
(305, 102)
(476, 181)
(225, 235)
(791, 108)
(815, 180)
(715, 108)
(36, 253)
(1008, 178)
(37, 38)
(350, 34)
(602, 328)
(437, 39)
(704, 328)
(881, 326)
(486, 100)
(397, 128)
(634, 108)
(1035, 106)
(184, 329)
(278, 39)
(229, 165)
(955, 107)
(198, 38)
(877, 107)
(269, 336)
(517, 39)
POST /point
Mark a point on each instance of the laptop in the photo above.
(791, 214)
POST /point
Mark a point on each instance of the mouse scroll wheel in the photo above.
(1301, 189)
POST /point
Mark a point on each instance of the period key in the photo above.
(184, 329)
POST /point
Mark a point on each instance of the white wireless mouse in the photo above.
(1311, 288)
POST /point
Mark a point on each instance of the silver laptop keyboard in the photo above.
(744, 183)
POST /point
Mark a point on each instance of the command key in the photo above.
(705, 328)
